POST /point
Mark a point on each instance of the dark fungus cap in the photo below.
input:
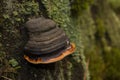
(46, 41)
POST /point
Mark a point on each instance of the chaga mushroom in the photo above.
(47, 42)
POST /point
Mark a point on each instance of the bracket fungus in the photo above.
(47, 42)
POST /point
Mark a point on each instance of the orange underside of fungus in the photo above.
(63, 54)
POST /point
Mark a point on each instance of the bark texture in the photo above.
(15, 39)
(91, 24)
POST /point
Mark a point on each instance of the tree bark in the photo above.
(91, 24)
(13, 40)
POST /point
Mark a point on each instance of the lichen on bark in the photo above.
(14, 42)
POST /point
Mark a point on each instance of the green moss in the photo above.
(96, 65)
(100, 27)
(114, 3)
(13, 15)
(105, 57)
(2, 55)
(20, 12)
(78, 6)
(60, 11)
(112, 58)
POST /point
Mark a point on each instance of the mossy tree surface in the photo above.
(91, 24)
(15, 14)
(105, 37)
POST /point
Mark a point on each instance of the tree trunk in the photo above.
(91, 24)
(13, 40)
